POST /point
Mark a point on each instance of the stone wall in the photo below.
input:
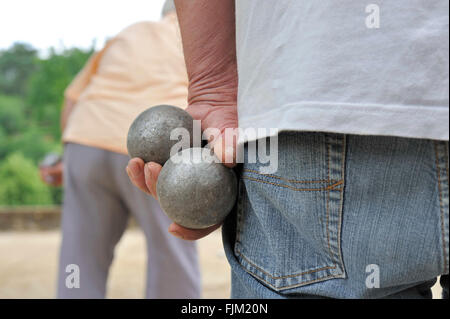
(32, 218)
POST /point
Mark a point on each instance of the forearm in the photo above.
(208, 34)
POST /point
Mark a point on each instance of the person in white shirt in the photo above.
(358, 95)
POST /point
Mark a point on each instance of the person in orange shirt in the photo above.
(140, 67)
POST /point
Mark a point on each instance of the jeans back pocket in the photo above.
(289, 223)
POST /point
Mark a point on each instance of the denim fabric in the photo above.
(340, 210)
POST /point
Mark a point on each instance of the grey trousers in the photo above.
(98, 201)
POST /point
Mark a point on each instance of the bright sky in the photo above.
(67, 23)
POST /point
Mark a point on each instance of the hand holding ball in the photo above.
(193, 188)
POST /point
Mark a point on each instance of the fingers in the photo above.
(222, 121)
(190, 234)
(151, 172)
(51, 175)
(144, 176)
(52, 170)
(135, 171)
(225, 150)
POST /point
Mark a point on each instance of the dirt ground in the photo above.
(28, 263)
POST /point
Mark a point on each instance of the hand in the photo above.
(219, 113)
(145, 176)
(52, 175)
(215, 106)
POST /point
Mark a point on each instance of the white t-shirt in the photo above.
(323, 65)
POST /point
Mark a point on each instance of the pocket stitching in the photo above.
(329, 187)
(287, 276)
(294, 285)
(290, 180)
(299, 284)
(341, 201)
(328, 203)
(438, 172)
(239, 215)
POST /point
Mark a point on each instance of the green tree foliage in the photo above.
(16, 65)
(20, 182)
(31, 95)
(20, 133)
(32, 143)
(45, 96)
(12, 119)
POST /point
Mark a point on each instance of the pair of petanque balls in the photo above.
(193, 188)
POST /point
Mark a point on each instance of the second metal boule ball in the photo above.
(195, 190)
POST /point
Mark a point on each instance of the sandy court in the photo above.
(28, 266)
(28, 263)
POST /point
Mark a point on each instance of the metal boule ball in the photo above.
(195, 190)
(149, 134)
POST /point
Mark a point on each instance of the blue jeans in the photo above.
(345, 216)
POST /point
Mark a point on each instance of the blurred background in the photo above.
(43, 45)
